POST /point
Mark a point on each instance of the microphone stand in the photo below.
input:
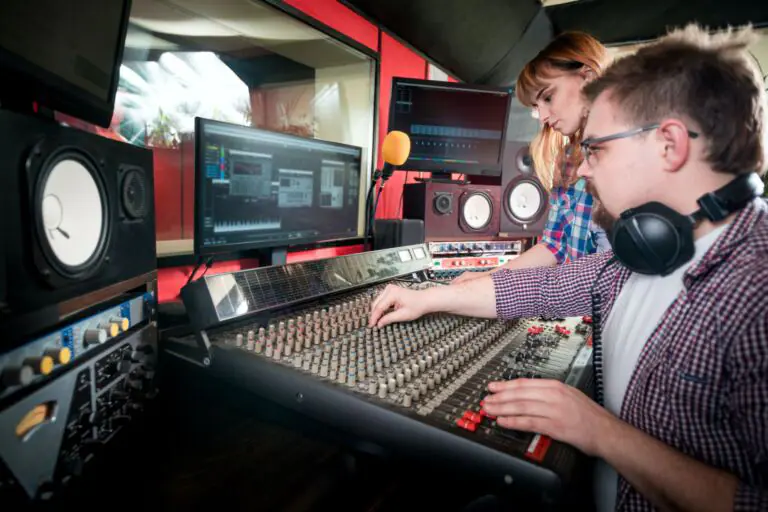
(372, 204)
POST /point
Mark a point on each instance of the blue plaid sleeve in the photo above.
(581, 242)
(552, 236)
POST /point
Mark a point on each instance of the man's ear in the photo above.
(674, 144)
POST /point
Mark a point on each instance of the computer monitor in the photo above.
(453, 127)
(257, 189)
(63, 54)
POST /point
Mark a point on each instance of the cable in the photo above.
(194, 270)
(375, 206)
(368, 205)
(402, 196)
(597, 337)
(208, 264)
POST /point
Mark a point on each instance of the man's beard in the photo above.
(600, 215)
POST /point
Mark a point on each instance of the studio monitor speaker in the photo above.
(452, 211)
(524, 200)
(79, 212)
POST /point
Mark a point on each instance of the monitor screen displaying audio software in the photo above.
(453, 127)
(259, 189)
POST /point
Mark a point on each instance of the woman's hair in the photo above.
(569, 52)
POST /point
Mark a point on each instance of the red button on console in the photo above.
(466, 425)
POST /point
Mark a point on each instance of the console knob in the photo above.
(60, 355)
(123, 323)
(18, 376)
(111, 328)
(94, 337)
(40, 365)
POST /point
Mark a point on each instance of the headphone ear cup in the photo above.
(653, 239)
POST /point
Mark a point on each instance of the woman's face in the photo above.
(559, 102)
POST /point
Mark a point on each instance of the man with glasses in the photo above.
(675, 136)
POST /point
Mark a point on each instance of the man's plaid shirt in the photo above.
(701, 382)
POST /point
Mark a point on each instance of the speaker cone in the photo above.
(134, 194)
(524, 160)
(524, 201)
(70, 211)
(443, 203)
(477, 211)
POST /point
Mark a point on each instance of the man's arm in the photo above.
(537, 256)
(747, 367)
(553, 291)
(666, 477)
(550, 291)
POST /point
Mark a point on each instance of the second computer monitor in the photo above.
(453, 127)
(261, 189)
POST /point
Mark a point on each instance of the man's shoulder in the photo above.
(751, 255)
(743, 279)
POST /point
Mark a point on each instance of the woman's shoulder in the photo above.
(578, 186)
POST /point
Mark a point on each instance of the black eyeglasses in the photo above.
(589, 151)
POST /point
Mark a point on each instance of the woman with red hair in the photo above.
(551, 85)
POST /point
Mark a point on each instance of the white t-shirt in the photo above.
(637, 311)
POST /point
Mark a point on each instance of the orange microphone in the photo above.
(395, 151)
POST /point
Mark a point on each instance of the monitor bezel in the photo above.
(494, 170)
(236, 248)
(34, 84)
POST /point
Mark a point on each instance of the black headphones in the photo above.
(654, 239)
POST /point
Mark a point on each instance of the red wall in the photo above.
(341, 19)
(395, 60)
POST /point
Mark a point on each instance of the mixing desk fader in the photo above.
(416, 387)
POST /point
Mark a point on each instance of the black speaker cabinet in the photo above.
(3, 241)
(79, 212)
(388, 233)
(452, 211)
(524, 201)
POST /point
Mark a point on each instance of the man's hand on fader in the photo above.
(405, 304)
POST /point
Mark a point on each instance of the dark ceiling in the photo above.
(489, 41)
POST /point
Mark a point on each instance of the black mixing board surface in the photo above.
(415, 387)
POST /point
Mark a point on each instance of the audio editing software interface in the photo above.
(266, 189)
(451, 125)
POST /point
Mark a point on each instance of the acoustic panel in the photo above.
(446, 31)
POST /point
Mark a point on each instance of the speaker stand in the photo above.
(272, 255)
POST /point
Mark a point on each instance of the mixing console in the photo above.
(414, 386)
